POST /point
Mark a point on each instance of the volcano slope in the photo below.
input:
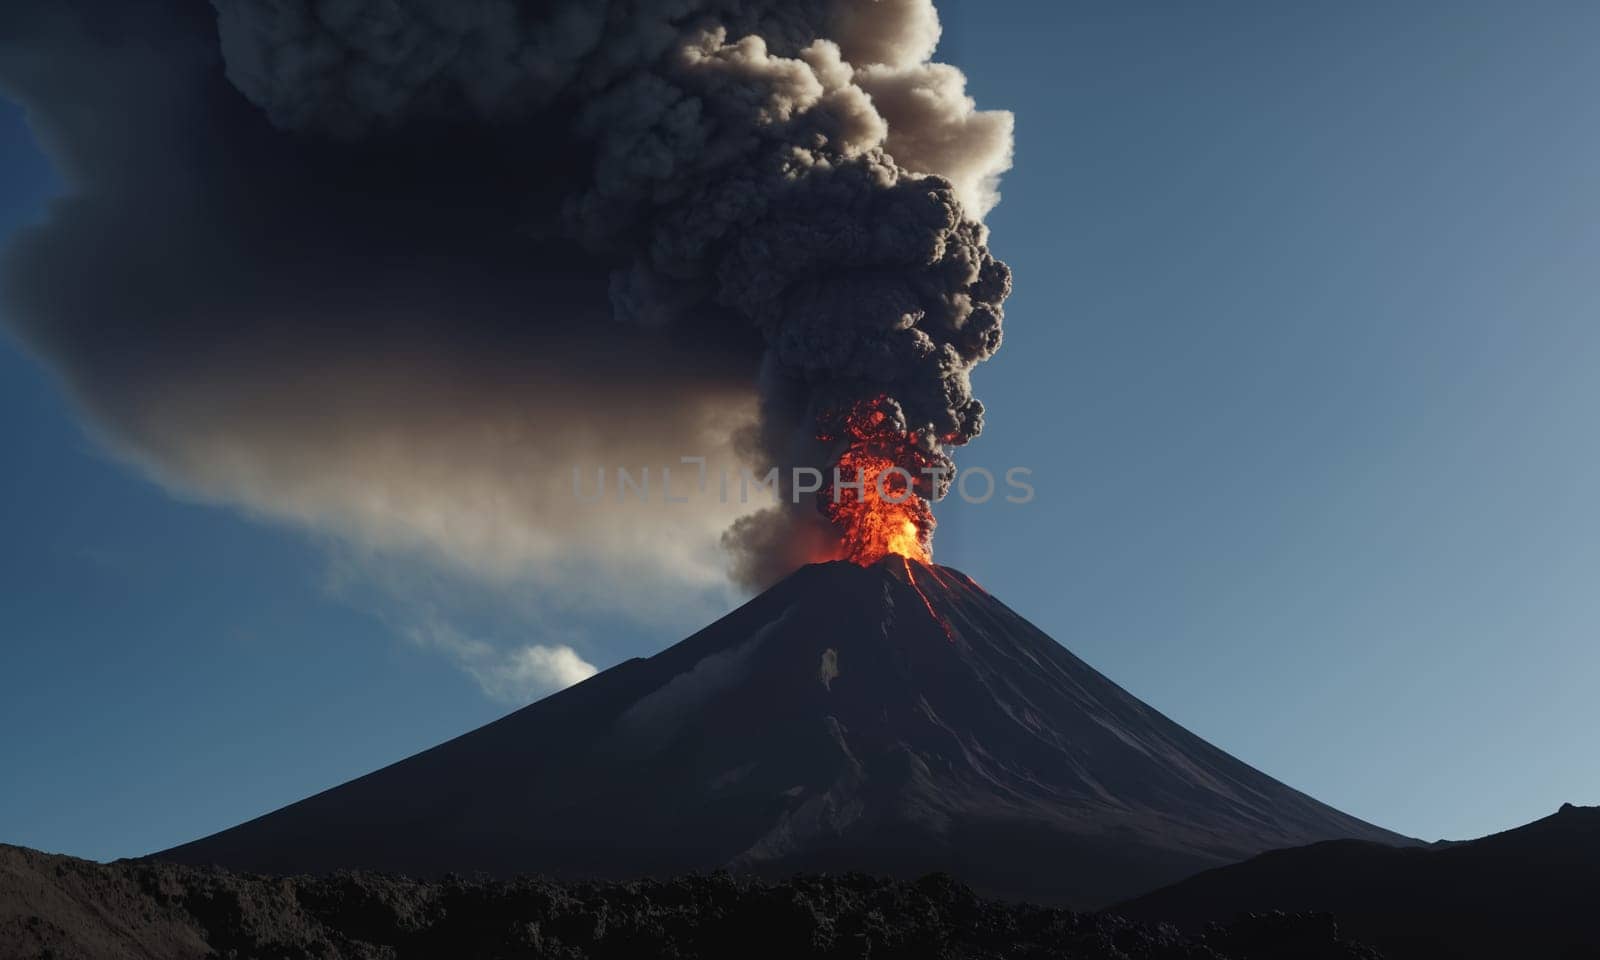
(895, 719)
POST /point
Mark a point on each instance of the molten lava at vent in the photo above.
(870, 524)
(875, 504)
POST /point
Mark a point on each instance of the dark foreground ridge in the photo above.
(67, 909)
(895, 720)
(1527, 892)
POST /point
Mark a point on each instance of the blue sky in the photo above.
(1301, 354)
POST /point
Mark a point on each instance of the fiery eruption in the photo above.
(871, 526)
(883, 480)
(878, 503)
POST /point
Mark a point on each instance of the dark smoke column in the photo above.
(832, 233)
(780, 192)
(795, 165)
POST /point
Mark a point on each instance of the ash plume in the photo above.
(389, 268)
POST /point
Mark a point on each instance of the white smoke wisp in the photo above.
(517, 674)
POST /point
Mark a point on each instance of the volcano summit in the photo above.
(893, 718)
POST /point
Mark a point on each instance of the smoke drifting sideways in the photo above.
(389, 269)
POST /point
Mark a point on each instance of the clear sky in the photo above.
(1301, 354)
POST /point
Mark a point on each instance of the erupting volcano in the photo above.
(825, 725)
(874, 501)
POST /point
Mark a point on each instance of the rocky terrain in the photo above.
(67, 909)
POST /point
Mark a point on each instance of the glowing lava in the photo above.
(874, 503)
(875, 506)
(911, 578)
(873, 526)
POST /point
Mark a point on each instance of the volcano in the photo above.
(894, 718)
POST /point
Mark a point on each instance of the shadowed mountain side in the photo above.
(894, 719)
(1527, 892)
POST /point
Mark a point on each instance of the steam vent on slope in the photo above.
(893, 718)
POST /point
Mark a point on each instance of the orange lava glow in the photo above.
(882, 516)
(872, 526)
(944, 624)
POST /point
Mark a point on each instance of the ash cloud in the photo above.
(388, 269)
